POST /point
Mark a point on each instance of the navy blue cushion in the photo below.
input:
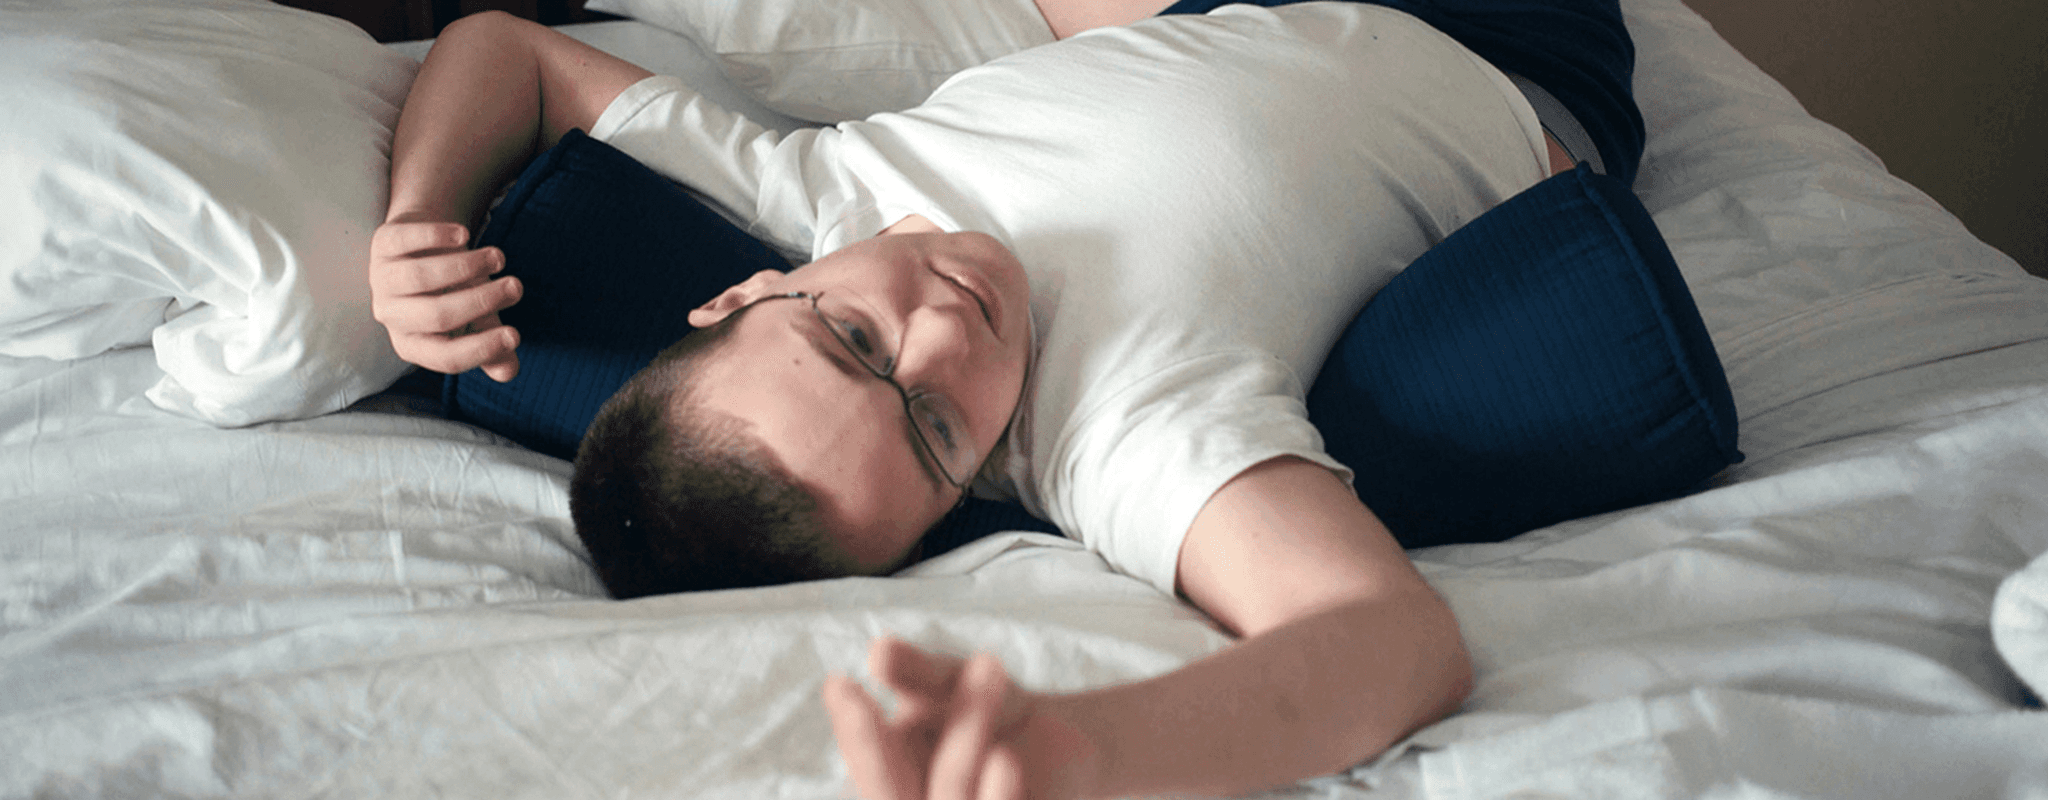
(614, 256)
(1544, 362)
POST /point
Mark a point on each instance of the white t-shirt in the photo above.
(1202, 204)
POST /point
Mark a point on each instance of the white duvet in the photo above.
(379, 604)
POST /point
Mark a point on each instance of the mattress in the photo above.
(381, 602)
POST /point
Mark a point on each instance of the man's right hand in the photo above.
(438, 301)
(494, 91)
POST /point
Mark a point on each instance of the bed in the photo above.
(230, 566)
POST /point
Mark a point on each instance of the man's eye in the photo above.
(941, 430)
(856, 337)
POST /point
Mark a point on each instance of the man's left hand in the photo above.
(962, 731)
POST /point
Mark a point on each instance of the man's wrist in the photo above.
(1071, 711)
(398, 215)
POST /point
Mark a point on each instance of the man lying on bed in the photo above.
(1190, 209)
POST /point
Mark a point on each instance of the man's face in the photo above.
(956, 309)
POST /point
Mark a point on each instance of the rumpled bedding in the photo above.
(379, 602)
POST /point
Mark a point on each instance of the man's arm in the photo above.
(1346, 649)
(494, 91)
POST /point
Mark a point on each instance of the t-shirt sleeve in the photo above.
(789, 189)
(1137, 466)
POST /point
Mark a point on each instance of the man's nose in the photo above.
(935, 340)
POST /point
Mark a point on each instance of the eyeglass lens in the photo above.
(939, 426)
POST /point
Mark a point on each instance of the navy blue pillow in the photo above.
(614, 256)
(1543, 363)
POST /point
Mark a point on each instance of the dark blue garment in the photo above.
(1578, 50)
(1542, 363)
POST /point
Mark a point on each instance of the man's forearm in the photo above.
(471, 118)
(494, 91)
(1307, 698)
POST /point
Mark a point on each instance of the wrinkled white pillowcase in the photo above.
(833, 60)
(203, 177)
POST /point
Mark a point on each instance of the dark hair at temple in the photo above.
(669, 496)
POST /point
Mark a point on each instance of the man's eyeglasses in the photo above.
(938, 426)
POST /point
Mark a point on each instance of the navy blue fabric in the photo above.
(1543, 363)
(613, 256)
(977, 518)
(1578, 50)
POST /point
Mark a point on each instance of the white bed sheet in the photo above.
(370, 603)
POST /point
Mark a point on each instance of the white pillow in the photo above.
(202, 176)
(833, 60)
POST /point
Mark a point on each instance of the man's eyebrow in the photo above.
(834, 353)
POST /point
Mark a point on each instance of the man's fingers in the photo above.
(857, 726)
(970, 729)
(400, 239)
(503, 369)
(923, 681)
(909, 670)
(876, 757)
(434, 274)
(450, 312)
(444, 354)
(504, 366)
(437, 300)
(1002, 778)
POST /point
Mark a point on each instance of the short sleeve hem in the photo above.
(631, 102)
(1153, 454)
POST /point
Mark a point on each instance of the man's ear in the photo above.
(756, 286)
